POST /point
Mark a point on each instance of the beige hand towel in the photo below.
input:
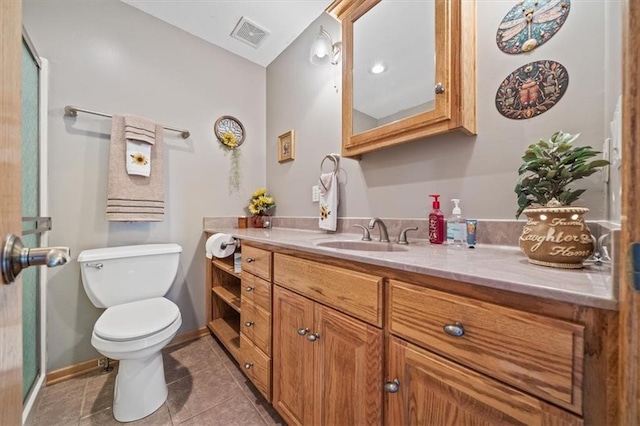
(132, 198)
(140, 129)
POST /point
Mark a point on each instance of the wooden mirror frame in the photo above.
(455, 108)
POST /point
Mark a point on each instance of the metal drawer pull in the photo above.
(392, 387)
(250, 259)
(248, 365)
(248, 288)
(456, 329)
(95, 265)
(248, 323)
(303, 331)
(313, 337)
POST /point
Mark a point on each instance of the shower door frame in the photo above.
(43, 113)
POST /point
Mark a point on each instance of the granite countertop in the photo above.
(500, 267)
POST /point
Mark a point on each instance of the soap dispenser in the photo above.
(436, 222)
(456, 226)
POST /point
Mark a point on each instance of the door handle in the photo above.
(15, 257)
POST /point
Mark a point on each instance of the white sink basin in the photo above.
(360, 245)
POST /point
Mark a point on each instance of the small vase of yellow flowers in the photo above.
(259, 206)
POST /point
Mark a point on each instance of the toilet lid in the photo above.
(136, 319)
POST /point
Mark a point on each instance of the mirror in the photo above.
(393, 63)
(402, 77)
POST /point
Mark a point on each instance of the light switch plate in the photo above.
(315, 193)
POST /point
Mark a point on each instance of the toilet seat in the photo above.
(136, 320)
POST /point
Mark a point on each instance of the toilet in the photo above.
(130, 282)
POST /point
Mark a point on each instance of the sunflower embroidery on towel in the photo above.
(324, 212)
(139, 159)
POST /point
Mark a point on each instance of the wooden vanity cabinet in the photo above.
(327, 366)
(444, 352)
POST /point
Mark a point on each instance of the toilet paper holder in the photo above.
(235, 242)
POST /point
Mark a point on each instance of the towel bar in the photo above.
(72, 111)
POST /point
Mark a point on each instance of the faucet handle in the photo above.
(402, 238)
(366, 236)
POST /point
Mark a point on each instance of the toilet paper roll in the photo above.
(214, 246)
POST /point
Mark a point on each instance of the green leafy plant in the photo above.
(550, 167)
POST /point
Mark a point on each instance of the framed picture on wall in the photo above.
(286, 147)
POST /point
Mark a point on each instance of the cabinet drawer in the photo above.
(256, 261)
(436, 391)
(256, 365)
(354, 293)
(257, 291)
(540, 355)
(256, 326)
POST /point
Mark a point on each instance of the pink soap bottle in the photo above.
(436, 222)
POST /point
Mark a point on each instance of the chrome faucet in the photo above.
(384, 235)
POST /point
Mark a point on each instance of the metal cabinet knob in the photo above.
(248, 323)
(303, 331)
(392, 387)
(15, 257)
(248, 288)
(439, 88)
(456, 329)
(313, 337)
(250, 259)
(248, 365)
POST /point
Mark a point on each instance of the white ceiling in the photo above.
(214, 20)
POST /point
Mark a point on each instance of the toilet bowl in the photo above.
(130, 282)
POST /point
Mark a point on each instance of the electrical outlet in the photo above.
(315, 193)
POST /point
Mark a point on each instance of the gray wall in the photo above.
(480, 170)
(111, 57)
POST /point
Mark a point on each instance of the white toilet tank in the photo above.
(115, 275)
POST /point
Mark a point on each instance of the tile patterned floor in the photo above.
(206, 387)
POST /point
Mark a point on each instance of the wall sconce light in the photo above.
(324, 50)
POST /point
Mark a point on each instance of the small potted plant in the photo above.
(261, 202)
(555, 233)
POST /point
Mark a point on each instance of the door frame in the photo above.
(629, 324)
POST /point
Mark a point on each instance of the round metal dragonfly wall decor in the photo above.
(530, 24)
(532, 89)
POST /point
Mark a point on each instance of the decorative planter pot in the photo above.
(556, 236)
(257, 221)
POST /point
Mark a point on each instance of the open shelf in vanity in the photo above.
(223, 303)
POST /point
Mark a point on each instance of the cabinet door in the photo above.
(292, 357)
(348, 370)
(434, 391)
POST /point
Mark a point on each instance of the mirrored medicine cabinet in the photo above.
(409, 70)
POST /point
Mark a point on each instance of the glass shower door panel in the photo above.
(30, 208)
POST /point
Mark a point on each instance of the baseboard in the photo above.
(75, 370)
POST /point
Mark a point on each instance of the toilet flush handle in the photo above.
(95, 265)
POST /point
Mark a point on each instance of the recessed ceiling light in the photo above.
(378, 68)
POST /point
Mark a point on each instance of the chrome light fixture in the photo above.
(324, 50)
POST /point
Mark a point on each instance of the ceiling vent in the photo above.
(249, 33)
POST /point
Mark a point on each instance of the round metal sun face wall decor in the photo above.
(532, 89)
(229, 131)
(530, 24)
